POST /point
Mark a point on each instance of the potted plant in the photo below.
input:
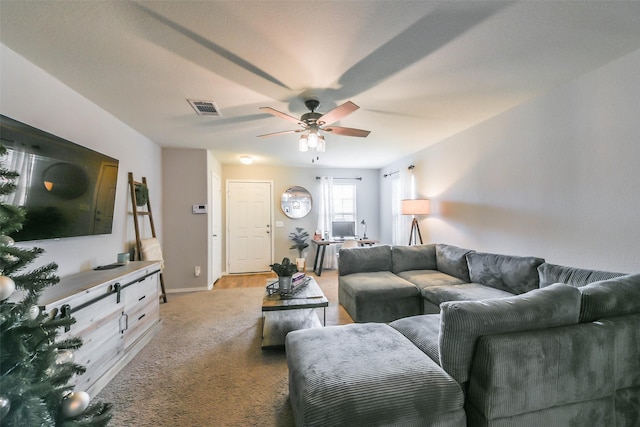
(284, 271)
(299, 238)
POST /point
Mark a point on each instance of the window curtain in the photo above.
(20, 161)
(324, 220)
(403, 187)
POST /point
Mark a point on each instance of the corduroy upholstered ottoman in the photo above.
(367, 374)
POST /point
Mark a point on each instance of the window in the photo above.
(343, 202)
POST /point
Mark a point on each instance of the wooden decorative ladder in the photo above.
(138, 213)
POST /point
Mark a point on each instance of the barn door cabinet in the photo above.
(117, 313)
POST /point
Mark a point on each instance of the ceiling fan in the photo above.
(313, 124)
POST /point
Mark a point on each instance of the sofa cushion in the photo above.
(462, 292)
(510, 273)
(610, 298)
(551, 273)
(378, 296)
(428, 278)
(463, 322)
(419, 257)
(452, 260)
(368, 259)
(422, 331)
(367, 375)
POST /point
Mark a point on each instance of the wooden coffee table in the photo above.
(281, 315)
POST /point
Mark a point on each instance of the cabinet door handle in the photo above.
(140, 318)
(117, 288)
(65, 311)
(124, 317)
(142, 297)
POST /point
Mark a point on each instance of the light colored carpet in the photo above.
(205, 367)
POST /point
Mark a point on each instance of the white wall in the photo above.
(31, 96)
(557, 177)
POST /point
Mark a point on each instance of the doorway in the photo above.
(249, 234)
(215, 241)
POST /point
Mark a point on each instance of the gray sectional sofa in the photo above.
(447, 336)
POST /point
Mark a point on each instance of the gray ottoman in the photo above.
(367, 375)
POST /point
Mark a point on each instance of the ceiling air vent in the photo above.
(205, 108)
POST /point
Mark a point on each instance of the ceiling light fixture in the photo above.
(302, 143)
(246, 160)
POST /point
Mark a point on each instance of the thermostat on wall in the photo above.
(199, 209)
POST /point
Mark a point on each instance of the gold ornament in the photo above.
(7, 287)
(74, 404)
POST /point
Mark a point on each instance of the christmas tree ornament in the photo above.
(7, 287)
(33, 313)
(6, 241)
(64, 356)
(5, 407)
(74, 404)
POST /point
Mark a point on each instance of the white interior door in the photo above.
(215, 252)
(249, 226)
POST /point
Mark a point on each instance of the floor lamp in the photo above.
(415, 207)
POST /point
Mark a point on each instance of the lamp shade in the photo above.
(415, 207)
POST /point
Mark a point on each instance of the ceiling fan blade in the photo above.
(282, 115)
(266, 135)
(339, 130)
(337, 113)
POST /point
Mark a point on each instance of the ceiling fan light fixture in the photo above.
(312, 140)
(321, 146)
(302, 143)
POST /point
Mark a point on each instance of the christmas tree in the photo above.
(35, 367)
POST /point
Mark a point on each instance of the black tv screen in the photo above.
(67, 190)
(342, 229)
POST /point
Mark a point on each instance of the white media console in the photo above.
(116, 311)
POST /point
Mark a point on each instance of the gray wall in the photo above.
(34, 97)
(557, 177)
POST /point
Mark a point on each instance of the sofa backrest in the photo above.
(515, 274)
(553, 273)
(418, 257)
(364, 260)
(610, 298)
(528, 371)
(452, 261)
(463, 322)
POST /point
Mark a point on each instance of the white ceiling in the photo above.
(421, 71)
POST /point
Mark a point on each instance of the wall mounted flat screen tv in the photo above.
(67, 190)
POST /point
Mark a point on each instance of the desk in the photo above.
(321, 247)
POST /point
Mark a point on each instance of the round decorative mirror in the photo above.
(296, 202)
